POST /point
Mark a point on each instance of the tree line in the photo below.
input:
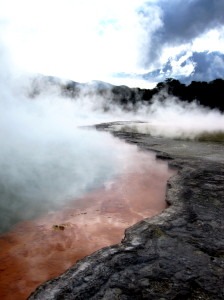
(210, 94)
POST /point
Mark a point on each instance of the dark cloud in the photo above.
(209, 66)
(182, 22)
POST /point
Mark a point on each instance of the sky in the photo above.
(110, 40)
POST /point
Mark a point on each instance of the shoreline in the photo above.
(177, 254)
(41, 249)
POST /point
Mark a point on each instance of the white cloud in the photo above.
(182, 70)
(213, 40)
(85, 40)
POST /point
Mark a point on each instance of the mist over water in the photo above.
(47, 159)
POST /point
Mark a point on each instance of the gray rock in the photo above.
(178, 254)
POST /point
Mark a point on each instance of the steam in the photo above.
(166, 116)
(46, 160)
(173, 118)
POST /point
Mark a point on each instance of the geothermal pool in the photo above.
(36, 250)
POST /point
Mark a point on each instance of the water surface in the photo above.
(40, 249)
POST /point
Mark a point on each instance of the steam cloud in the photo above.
(170, 117)
(46, 160)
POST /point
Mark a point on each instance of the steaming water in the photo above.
(46, 159)
(46, 163)
(36, 177)
(35, 251)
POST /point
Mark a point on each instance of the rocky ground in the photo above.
(178, 254)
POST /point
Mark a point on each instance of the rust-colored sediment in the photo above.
(36, 251)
